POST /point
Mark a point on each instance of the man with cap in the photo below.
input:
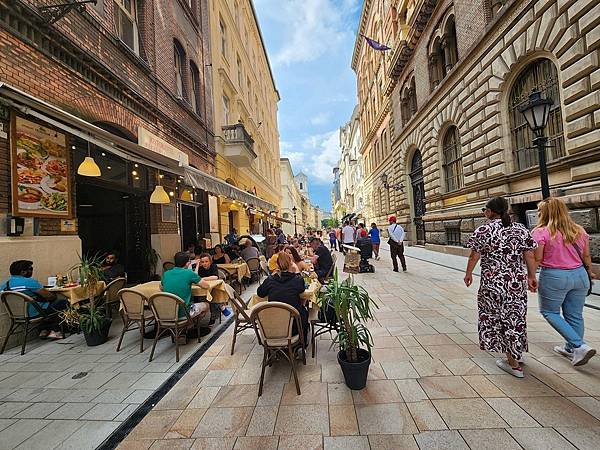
(396, 242)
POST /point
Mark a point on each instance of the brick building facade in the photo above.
(459, 71)
(117, 74)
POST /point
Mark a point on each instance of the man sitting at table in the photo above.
(21, 281)
(249, 251)
(111, 268)
(179, 281)
(209, 271)
(321, 260)
(286, 287)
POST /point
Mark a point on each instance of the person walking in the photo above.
(348, 235)
(396, 242)
(375, 239)
(332, 239)
(502, 297)
(564, 256)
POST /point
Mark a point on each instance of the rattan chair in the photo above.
(255, 269)
(15, 304)
(273, 323)
(134, 311)
(165, 308)
(241, 316)
(264, 265)
(110, 294)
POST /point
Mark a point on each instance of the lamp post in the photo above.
(294, 209)
(536, 112)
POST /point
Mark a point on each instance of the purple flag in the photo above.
(376, 45)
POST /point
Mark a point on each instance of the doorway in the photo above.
(418, 194)
(194, 221)
(112, 219)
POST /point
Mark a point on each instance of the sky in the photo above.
(310, 45)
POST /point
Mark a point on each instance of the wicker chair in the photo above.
(133, 312)
(16, 306)
(165, 308)
(241, 318)
(110, 294)
(255, 269)
(273, 323)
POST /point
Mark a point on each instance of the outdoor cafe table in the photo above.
(311, 294)
(218, 291)
(241, 268)
(77, 293)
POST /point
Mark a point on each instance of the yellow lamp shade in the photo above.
(258, 215)
(89, 168)
(186, 195)
(160, 196)
(233, 207)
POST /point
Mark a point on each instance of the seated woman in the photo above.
(273, 259)
(298, 260)
(220, 257)
(286, 287)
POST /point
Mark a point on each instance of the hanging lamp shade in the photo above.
(89, 168)
(186, 195)
(233, 207)
(159, 196)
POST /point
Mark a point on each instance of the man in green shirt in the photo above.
(179, 281)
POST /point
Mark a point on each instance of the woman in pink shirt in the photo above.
(564, 256)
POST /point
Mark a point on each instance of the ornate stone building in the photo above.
(458, 73)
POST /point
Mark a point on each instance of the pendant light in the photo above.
(88, 167)
(186, 195)
(159, 195)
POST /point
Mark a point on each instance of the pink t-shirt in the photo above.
(557, 255)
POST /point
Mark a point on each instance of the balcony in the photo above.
(239, 146)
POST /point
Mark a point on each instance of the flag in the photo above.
(376, 45)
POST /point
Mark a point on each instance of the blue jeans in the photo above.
(564, 289)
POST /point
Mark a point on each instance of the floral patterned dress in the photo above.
(502, 296)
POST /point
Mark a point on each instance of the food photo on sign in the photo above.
(40, 171)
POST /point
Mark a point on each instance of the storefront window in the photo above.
(138, 175)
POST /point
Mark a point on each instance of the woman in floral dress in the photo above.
(502, 298)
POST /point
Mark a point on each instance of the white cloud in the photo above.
(310, 27)
(320, 119)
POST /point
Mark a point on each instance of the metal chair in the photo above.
(241, 318)
(255, 269)
(133, 311)
(165, 308)
(16, 304)
(110, 294)
(273, 323)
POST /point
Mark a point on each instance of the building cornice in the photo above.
(362, 24)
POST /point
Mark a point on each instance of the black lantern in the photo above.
(294, 209)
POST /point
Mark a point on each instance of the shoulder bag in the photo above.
(587, 269)
(390, 240)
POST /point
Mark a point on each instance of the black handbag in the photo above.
(390, 240)
(587, 269)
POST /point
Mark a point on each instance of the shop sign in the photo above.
(68, 225)
(152, 142)
(455, 200)
(40, 171)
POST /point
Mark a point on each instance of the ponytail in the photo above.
(499, 206)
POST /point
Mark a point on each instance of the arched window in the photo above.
(443, 52)
(437, 63)
(179, 63)
(452, 160)
(385, 143)
(541, 75)
(408, 102)
(285, 215)
(195, 87)
(449, 44)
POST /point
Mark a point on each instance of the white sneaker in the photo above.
(561, 350)
(515, 372)
(581, 355)
(56, 335)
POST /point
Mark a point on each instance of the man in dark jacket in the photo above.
(286, 287)
(322, 260)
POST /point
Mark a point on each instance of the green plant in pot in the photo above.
(352, 305)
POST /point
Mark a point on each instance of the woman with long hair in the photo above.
(219, 256)
(502, 246)
(564, 256)
(286, 286)
(297, 259)
(273, 259)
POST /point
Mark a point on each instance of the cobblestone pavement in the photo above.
(430, 386)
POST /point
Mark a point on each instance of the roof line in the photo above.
(262, 41)
(363, 17)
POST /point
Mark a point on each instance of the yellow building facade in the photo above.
(245, 116)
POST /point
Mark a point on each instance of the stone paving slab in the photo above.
(430, 386)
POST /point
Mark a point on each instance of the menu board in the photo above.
(40, 171)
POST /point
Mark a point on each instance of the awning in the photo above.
(202, 180)
(35, 107)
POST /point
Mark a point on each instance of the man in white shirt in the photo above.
(348, 235)
(396, 241)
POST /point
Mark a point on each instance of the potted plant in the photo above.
(352, 306)
(90, 317)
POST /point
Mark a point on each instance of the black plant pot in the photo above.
(355, 373)
(98, 337)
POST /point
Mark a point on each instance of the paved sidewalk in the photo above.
(430, 387)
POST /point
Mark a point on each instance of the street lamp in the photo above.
(537, 112)
(294, 209)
